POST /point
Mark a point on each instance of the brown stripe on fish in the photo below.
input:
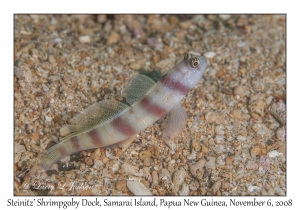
(153, 108)
(123, 126)
(62, 151)
(75, 143)
(174, 85)
(96, 140)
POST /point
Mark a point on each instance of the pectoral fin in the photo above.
(174, 122)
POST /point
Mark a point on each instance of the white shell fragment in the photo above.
(127, 168)
(178, 179)
(138, 188)
(274, 153)
(184, 190)
(252, 188)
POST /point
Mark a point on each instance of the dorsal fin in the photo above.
(92, 116)
(137, 88)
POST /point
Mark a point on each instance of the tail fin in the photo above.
(51, 157)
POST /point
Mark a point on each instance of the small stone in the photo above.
(184, 190)
(211, 163)
(81, 68)
(225, 185)
(48, 119)
(86, 192)
(274, 153)
(196, 145)
(85, 39)
(216, 187)
(113, 38)
(278, 110)
(164, 175)
(130, 169)
(121, 186)
(135, 66)
(97, 163)
(88, 161)
(236, 114)
(255, 151)
(281, 133)
(229, 160)
(221, 160)
(154, 178)
(19, 149)
(209, 54)
(279, 190)
(138, 188)
(52, 59)
(240, 91)
(197, 169)
(105, 160)
(35, 136)
(256, 109)
(57, 119)
(178, 179)
(204, 149)
(251, 165)
(252, 188)
(145, 155)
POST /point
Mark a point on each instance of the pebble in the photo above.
(154, 179)
(203, 148)
(216, 187)
(281, 133)
(164, 175)
(138, 188)
(251, 165)
(185, 191)
(236, 114)
(221, 160)
(196, 145)
(278, 110)
(197, 169)
(88, 161)
(252, 188)
(274, 153)
(19, 149)
(85, 39)
(35, 136)
(86, 192)
(178, 179)
(97, 163)
(121, 186)
(143, 155)
(279, 190)
(240, 90)
(130, 169)
(255, 151)
(52, 59)
(135, 66)
(113, 38)
(209, 54)
(211, 163)
(256, 109)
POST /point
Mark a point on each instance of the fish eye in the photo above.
(195, 62)
(187, 56)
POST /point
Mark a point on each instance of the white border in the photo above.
(154, 6)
